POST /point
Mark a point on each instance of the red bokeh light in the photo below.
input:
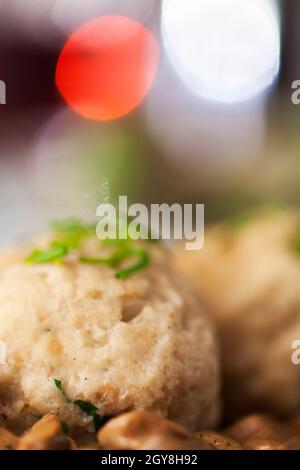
(107, 67)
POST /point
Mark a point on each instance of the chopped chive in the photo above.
(73, 232)
(112, 261)
(119, 256)
(143, 261)
(56, 252)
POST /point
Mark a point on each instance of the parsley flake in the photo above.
(85, 406)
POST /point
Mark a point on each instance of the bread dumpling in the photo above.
(81, 343)
(248, 275)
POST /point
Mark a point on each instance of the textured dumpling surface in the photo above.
(139, 343)
(248, 276)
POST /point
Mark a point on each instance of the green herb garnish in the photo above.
(123, 251)
(85, 406)
(72, 232)
(54, 253)
(90, 410)
(58, 385)
(120, 255)
(143, 261)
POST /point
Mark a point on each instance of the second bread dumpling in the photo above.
(248, 275)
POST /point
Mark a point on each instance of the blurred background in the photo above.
(179, 101)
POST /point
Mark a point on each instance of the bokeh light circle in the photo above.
(224, 50)
(107, 67)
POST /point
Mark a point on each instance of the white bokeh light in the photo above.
(223, 50)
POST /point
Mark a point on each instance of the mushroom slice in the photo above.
(143, 430)
(46, 434)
